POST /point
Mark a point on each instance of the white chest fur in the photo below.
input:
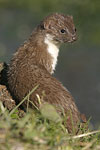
(52, 49)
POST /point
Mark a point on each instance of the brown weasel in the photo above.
(35, 61)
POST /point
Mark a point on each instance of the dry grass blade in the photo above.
(85, 134)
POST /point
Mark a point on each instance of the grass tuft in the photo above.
(38, 130)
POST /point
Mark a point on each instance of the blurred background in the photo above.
(79, 63)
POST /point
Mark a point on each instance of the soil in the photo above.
(5, 96)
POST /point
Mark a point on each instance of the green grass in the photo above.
(34, 131)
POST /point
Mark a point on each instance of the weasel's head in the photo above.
(60, 28)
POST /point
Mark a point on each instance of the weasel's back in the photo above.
(55, 92)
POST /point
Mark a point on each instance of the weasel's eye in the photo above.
(63, 31)
(75, 29)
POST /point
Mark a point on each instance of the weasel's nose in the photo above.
(74, 38)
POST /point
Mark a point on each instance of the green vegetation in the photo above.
(35, 131)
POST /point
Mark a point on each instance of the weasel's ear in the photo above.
(42, 26)
(46, 24)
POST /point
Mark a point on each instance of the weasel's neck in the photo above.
(53, 50)
(40, 50)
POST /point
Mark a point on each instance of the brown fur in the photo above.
(31, 66)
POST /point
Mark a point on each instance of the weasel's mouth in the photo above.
(65, 40)
(74, 38)
(70, 41)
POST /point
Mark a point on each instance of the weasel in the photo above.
(35, 61)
